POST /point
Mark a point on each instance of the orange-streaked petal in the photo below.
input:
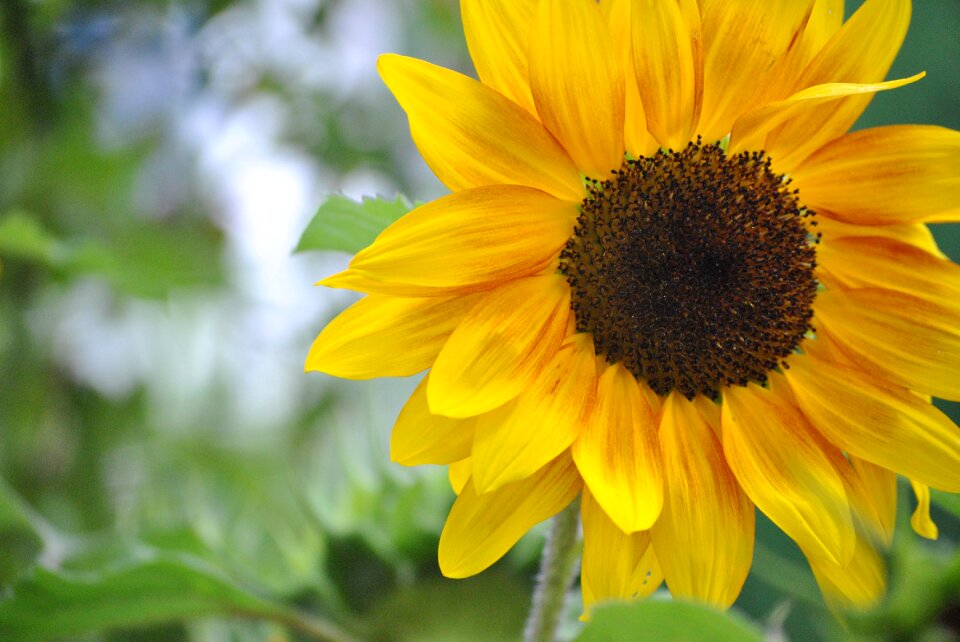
(876, 262)
(911, 341)
(752, 128)
(578, 83)
(785, 471)
(384, 336)
(735, 75)
(861, 52)
(498, 34)
(710, 411)
(459, 474)
(616, 566)
(481, 528)
(824, 21)
(477, 236)
(500, 347)
(636, 138)
(471, 135)
(618, 453)
(516, 440)
(704, 536)
(885, 175)
(880, 484)
(877, 421)
(865, 509)
(668, 61)
(858, 584)
(421, 437)
(921, 522)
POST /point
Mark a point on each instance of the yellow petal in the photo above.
(459, 474)
(864, 507)
(471, 135)
(736, 75)
(481, 528)
(350, 280)
(786, 471)
(877, 421)
(920, 520)
(704, 536)
(872, 262)
(880, 485)
(825, 20)
(500, 347)
(752, 128)
(636, 138)
(615, 565)
(668, 60)
(653, 399)
(578, 83)
(497, 33)
(868, 510)
(384, 336)
(618, 453)
(421, 437)
(515, 441)
(858, 584)
(474, 237)
(885, 175)
(916, 234)
(861, 52)
(911, 341)
(710, 411)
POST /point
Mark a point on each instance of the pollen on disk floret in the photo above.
(693, 268)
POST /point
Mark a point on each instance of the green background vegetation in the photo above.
(168, 473)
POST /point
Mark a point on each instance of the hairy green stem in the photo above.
(557, 566)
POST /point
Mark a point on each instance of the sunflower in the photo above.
(669, 283)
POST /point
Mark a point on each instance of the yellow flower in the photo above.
(626, 296)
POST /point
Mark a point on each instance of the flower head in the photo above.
(668, 281)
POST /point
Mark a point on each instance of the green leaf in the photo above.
(149, 587)
(666, 621)
(346, 225)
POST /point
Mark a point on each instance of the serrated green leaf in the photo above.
(348, 226)
(666, 621)
(147, 588)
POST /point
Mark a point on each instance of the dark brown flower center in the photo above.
(694, 269)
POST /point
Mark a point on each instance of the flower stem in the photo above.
(556, 570)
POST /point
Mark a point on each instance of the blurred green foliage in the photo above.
(145, 501)
(669, 622)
